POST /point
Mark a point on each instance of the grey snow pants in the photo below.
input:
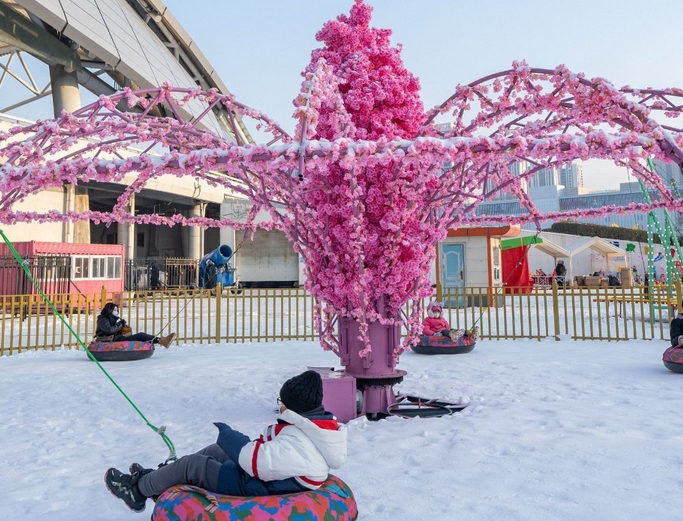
(199, 469)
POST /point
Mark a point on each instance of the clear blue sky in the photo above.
(259, 47)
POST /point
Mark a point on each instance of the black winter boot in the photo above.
(137, 471)
(122, 486)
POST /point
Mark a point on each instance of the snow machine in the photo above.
(215, 268)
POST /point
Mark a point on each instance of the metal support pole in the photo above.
(126, 232)
(556, 309)
(195, 235)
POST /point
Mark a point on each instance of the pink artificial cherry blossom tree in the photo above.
(360, 190)
(371, 260)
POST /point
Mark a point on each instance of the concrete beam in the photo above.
(22, 33)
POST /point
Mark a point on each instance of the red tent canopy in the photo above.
(515, 264)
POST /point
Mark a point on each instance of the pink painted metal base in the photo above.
(380, 362)
(339, 393)
(378, 398)
(376, 373)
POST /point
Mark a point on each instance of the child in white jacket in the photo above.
(293, 455)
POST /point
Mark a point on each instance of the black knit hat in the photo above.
(303, 392)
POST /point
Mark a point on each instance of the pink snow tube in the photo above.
(443, 345)
(673, 359)
(333, 501)
(120, 351)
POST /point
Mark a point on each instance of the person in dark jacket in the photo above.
(560, 272)
(293, 455)
(677, 328)
(109, 324)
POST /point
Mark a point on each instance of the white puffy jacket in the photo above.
(300, 448)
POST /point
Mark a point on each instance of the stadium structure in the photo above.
(60, 55)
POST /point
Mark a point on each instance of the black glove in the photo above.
(122, 322)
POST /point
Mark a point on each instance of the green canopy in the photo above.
(518, 242)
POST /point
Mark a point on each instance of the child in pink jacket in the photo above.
(435, 325)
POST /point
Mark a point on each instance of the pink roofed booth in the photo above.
(62, 268)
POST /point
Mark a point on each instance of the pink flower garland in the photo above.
(364, 194)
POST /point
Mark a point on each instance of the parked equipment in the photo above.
(215, 268)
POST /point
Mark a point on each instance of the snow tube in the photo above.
(333, 501)
(673, 359)
(120, 351)
(443, 345)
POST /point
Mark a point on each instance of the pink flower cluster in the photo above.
(369, 183)
(367, 233)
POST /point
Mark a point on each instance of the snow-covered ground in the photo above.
(565, 430)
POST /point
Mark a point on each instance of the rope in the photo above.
(161, 431)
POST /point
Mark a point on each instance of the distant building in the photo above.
(670, 174)
(562, 189)
(571, 176)
(545, 177)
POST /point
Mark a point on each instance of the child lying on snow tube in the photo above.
(294, 455)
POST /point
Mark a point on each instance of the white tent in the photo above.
(552, 249)
(546, 246)
(596, 244)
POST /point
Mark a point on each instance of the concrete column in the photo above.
(227, 235)
(234, 209)
(126, 233)
(81, 229)
(196, 234)
(69, 205)
(65, 94)
(122, 237)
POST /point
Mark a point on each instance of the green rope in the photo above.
(161, 431)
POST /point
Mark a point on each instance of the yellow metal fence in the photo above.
(579, 313)
(262, 315)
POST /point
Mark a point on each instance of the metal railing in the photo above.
(262, 315)
(53, 273)
(157, 273)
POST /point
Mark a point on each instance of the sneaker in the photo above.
(122, 486)
(166, 340)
